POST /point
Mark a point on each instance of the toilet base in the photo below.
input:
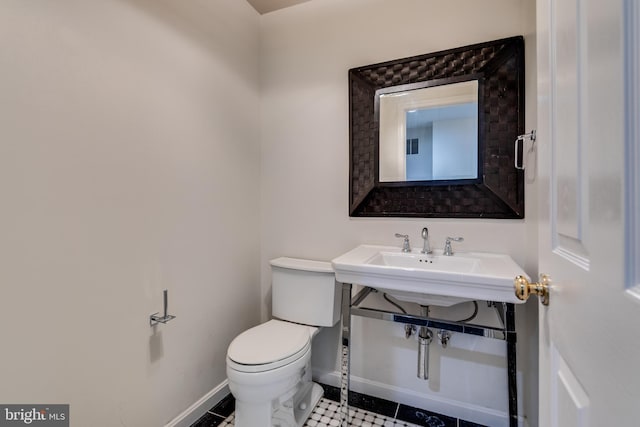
(290, 413)
(307, 403)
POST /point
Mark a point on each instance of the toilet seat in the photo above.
(269, 346)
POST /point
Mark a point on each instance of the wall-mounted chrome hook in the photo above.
(155, 319)
(530, 136)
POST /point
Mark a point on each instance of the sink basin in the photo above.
(433, 279)
(431, 262)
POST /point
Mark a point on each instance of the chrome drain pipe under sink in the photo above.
(425, 337)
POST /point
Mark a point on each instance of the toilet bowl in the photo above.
(269, 366)
(272, 387)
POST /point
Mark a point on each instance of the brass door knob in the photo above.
(524, 288)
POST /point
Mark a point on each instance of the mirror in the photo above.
(433, 135)
(429, 134)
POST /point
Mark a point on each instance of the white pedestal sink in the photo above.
(433, 279)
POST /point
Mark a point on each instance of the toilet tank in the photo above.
(305, 291)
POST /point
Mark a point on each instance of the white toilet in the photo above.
(269, 366)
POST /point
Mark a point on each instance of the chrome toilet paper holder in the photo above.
(155, 318)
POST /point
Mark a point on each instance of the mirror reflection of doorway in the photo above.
(440, 127)
(446, 143)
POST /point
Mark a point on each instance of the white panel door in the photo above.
(587, 140)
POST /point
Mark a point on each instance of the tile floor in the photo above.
(364, 411)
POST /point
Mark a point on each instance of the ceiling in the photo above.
(266, 6)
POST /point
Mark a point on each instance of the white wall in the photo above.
(127, 166)
(306, 52)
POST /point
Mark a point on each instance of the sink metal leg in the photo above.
(511, 364)
(346, 341)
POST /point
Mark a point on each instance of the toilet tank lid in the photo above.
(302, 264)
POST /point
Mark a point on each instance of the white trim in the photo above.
(573, 257)
(569, 244)
(634, 292)
(632, 145)
(564, 382)
(201, 406)
(429, 402)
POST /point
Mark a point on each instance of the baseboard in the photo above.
(201, 406)
(462, 410)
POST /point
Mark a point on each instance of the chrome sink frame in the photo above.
(504, 311)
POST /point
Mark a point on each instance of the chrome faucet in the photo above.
(406, 247)
(426, 249)
(447, 245)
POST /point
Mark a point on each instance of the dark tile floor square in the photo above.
(463, 423)
(225, 407)
(208, 420)
(331, 392)
(373, 404)
(425, 418)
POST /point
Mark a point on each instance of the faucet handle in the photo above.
(447, 245)
(406, 247)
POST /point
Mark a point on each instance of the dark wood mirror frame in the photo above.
(499, 192)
